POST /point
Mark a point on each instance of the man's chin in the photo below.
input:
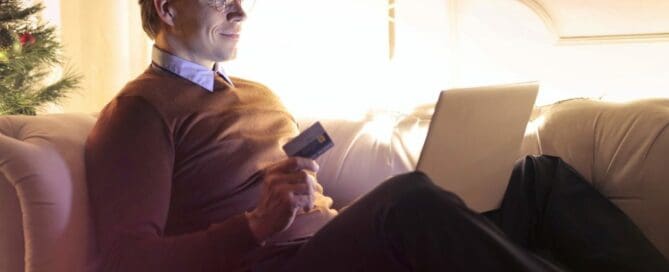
(228, 56)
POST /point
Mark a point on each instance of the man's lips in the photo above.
(230, 35)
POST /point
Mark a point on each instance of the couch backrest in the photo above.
(622, 148)
(363, 156)
(44, 222)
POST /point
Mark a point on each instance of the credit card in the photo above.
(311, 143)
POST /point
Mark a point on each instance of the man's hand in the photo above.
(289, 186)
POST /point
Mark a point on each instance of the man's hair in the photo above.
(150, 18)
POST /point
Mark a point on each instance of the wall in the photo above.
(450, 43)
(505, 41)
(332, 60)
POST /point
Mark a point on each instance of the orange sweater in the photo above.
(171, 171)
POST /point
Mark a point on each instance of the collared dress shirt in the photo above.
(194, 72)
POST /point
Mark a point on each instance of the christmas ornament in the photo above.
(26, 38)
(17, 47)
(3, 56)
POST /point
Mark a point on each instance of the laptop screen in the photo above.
(474, 140)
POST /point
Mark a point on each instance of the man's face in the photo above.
(209, 29)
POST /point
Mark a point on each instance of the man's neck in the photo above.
(176, 47)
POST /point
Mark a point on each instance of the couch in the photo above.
(621, 148)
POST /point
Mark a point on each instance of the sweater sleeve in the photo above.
(129, 163)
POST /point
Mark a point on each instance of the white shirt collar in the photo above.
(191, 71)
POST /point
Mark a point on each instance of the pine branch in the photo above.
(12, 12)
(45, 49)
(17, 103)
(57, 91)
(30, 52)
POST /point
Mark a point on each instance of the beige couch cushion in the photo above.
(42, 165)
(623, 149)
(361, 158)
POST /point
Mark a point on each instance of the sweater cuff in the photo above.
(232, 241)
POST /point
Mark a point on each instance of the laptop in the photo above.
(474, 140)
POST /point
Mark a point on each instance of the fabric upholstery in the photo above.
(44, 222)
(42, 160)
(622, 148)
(358, 162)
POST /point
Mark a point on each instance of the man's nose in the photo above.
(237, 12)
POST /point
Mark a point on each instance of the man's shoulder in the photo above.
(151, 81)
(245, 83)
(155, 89)
(254, 88)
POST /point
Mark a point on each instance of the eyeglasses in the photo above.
(230, 5)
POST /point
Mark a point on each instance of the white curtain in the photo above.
(104, 42)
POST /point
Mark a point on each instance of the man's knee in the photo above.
(406, 181)
(416, 186)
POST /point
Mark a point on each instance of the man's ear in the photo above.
(165, 11)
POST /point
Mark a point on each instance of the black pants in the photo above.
(410, 224)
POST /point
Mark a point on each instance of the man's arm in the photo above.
(129, 162)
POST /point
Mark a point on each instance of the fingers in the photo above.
(303, 203)
(322, 202)
(296, 196)
(293, 164)
(318, 187)
(299, 177)
(298, 188)
(289, 186)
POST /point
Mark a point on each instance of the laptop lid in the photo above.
(474, 140)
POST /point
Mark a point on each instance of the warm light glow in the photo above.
(414, 139)
(380, 127)
(660, 89)
(534, 125)
(51, 15)
(51, 12)
(322, 60)
(332, 61)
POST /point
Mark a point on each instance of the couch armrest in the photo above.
(42, 161)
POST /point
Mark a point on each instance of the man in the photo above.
(186, 173)
(179, 149)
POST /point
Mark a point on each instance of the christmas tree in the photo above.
(29, 52)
